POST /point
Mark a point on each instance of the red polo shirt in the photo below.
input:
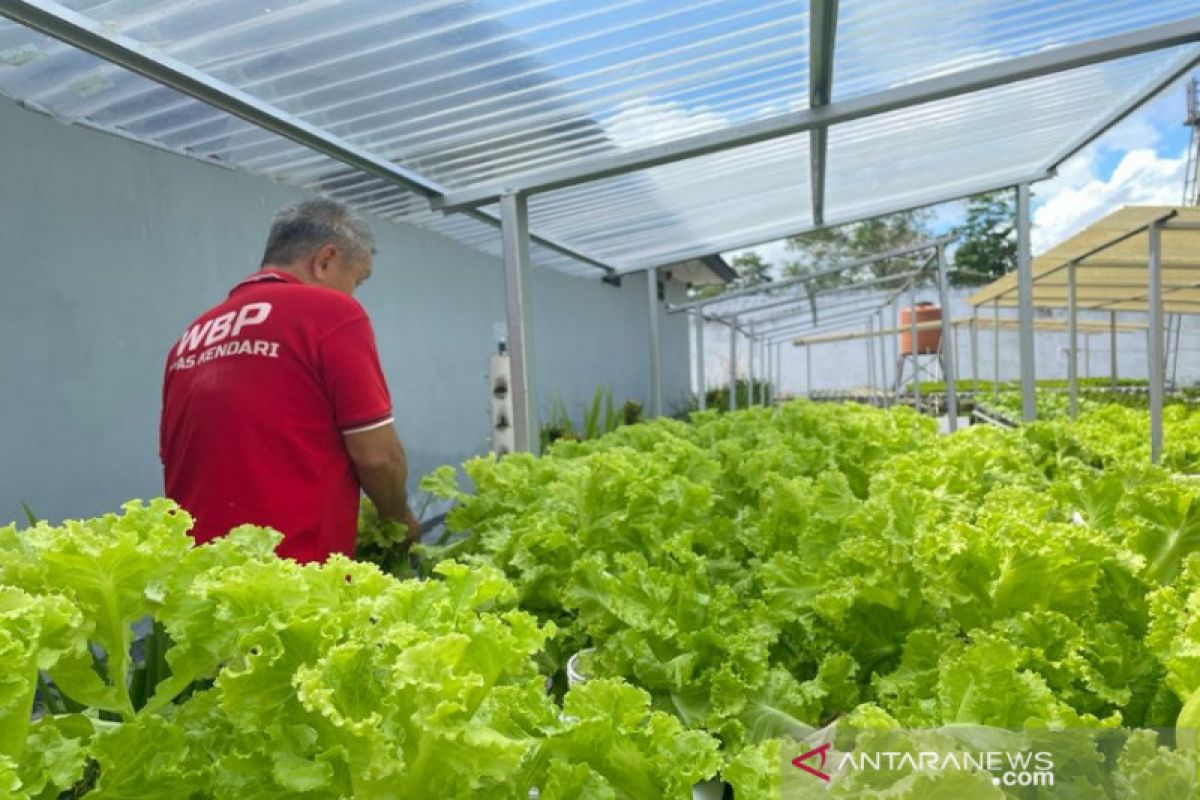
(257, 395)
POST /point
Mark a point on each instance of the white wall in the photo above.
(109, 248)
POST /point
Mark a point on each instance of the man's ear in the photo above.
(323, 262)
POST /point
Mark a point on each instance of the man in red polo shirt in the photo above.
(275, 408)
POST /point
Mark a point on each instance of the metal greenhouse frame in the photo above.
(524, 122)
(1137, 259)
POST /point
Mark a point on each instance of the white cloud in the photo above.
(642, 122)
(1078, 197)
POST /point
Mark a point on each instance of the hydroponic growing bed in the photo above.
(744, 583)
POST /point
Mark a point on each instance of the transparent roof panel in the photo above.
(692, 207)
(464, 91)
(917, 155)
(887, 43)
(471, 92)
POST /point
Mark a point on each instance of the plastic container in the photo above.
(929, 340)
(576, 670)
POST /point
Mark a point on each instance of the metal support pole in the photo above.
(733, 365)
(766, 370)
(1087, 356)
(883, 382)
(750, 369)
(760, 373)
(996, 350)
(1175, 349)
(913, 347)
(1170, 325)
(1156, 343)
(1025, 306)
(778, 372)
(1112, 347)
(896, 348)
(808, 384)
(949, 350)
(702, 390)
(869, 341)
(656, 406)
(974, 352)
(1072, 343)
(514, 215)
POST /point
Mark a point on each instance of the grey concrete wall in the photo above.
(109, 248)
(842, 365)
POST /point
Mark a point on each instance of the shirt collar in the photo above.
(267, 276)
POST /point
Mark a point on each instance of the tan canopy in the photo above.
(1111, 257)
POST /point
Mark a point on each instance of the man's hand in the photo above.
(382, 471)
(414, 528)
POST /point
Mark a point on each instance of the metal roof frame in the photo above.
(1059, 59)
(929, 244)
(822, 15)
(959, 322)
(91, 36)
(1111, 283)
(872, 308)
(813, 296)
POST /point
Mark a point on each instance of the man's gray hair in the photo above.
(301, 229)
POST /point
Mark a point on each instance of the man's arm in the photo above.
(382, 470)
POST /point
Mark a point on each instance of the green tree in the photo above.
(824, 249)
(752, 270)
(988, 247)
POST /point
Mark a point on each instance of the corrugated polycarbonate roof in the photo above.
(477, 92)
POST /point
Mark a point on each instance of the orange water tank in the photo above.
(928, 339)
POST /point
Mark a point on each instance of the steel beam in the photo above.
(883, 381)
(954, 84)
(807, 325)
(896, 348)
(869, 344)
(930, 244)
(802, 313)
(1175, 349)
(1080, 259)
(949, 350)
(822, 37)
(914, 347)
(1025, 310)
(808, 383)
(808, 298)
(765, 235)
(778, 393)
(733, 367)
(656, 408)
(518, 289)
(702, 390)
(974, 353)
(1174, 73)
(1112, 348)
(765, 364)
(1155, 334)
(1072, 343)
(996, 350)
(92, 36)
(750, 369)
